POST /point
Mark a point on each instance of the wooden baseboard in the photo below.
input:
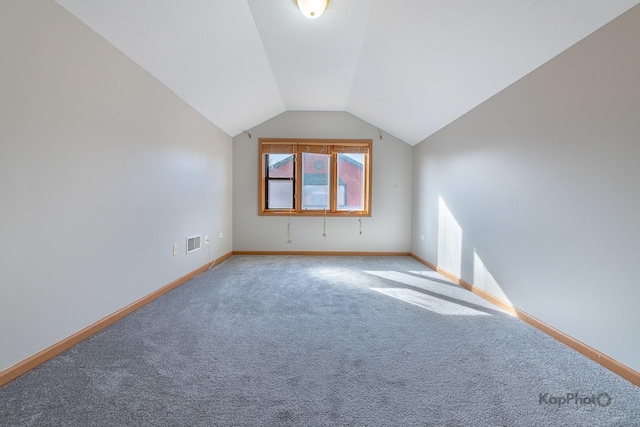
(321, 253)
(608, 362)
(26, 365)
(48, 353)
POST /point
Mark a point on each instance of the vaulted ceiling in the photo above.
(409, 67)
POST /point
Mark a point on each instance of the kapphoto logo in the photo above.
(601, 399)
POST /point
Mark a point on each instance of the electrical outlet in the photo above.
(175, 249)
(221, 235)
(206, 240)
(422, 237)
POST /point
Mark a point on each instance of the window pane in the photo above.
(315, 181)
(280, 194)
(280, 165)
(351, 181)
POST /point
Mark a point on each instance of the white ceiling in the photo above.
(409, 67)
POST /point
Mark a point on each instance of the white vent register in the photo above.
(193, 243)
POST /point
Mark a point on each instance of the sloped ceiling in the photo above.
(409, 67)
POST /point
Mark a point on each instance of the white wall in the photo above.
(544, 182)
(387, 230)
(102, 169)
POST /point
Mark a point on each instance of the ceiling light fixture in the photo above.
(312, 8)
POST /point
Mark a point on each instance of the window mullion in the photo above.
(265, 181)
(333, 188)
(297, 176)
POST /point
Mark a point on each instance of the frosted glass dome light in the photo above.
(312, 8)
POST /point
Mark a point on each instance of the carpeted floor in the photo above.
(319, 341)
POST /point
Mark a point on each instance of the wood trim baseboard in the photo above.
(608, 362)
(321, 253)
(39, 358)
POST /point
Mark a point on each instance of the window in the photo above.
(315, 177)
(280, 180)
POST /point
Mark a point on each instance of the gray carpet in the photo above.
(319, 341)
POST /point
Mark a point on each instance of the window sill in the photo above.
(315, 213)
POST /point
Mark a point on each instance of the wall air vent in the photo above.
(193, 243)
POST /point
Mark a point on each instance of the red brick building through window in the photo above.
(315, 179)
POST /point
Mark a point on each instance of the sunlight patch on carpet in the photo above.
(449, 290)
(430, 303)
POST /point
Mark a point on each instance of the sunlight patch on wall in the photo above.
(430, 303)
(483, 279)
(449, 240)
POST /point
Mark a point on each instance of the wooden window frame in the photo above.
(297, 147)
